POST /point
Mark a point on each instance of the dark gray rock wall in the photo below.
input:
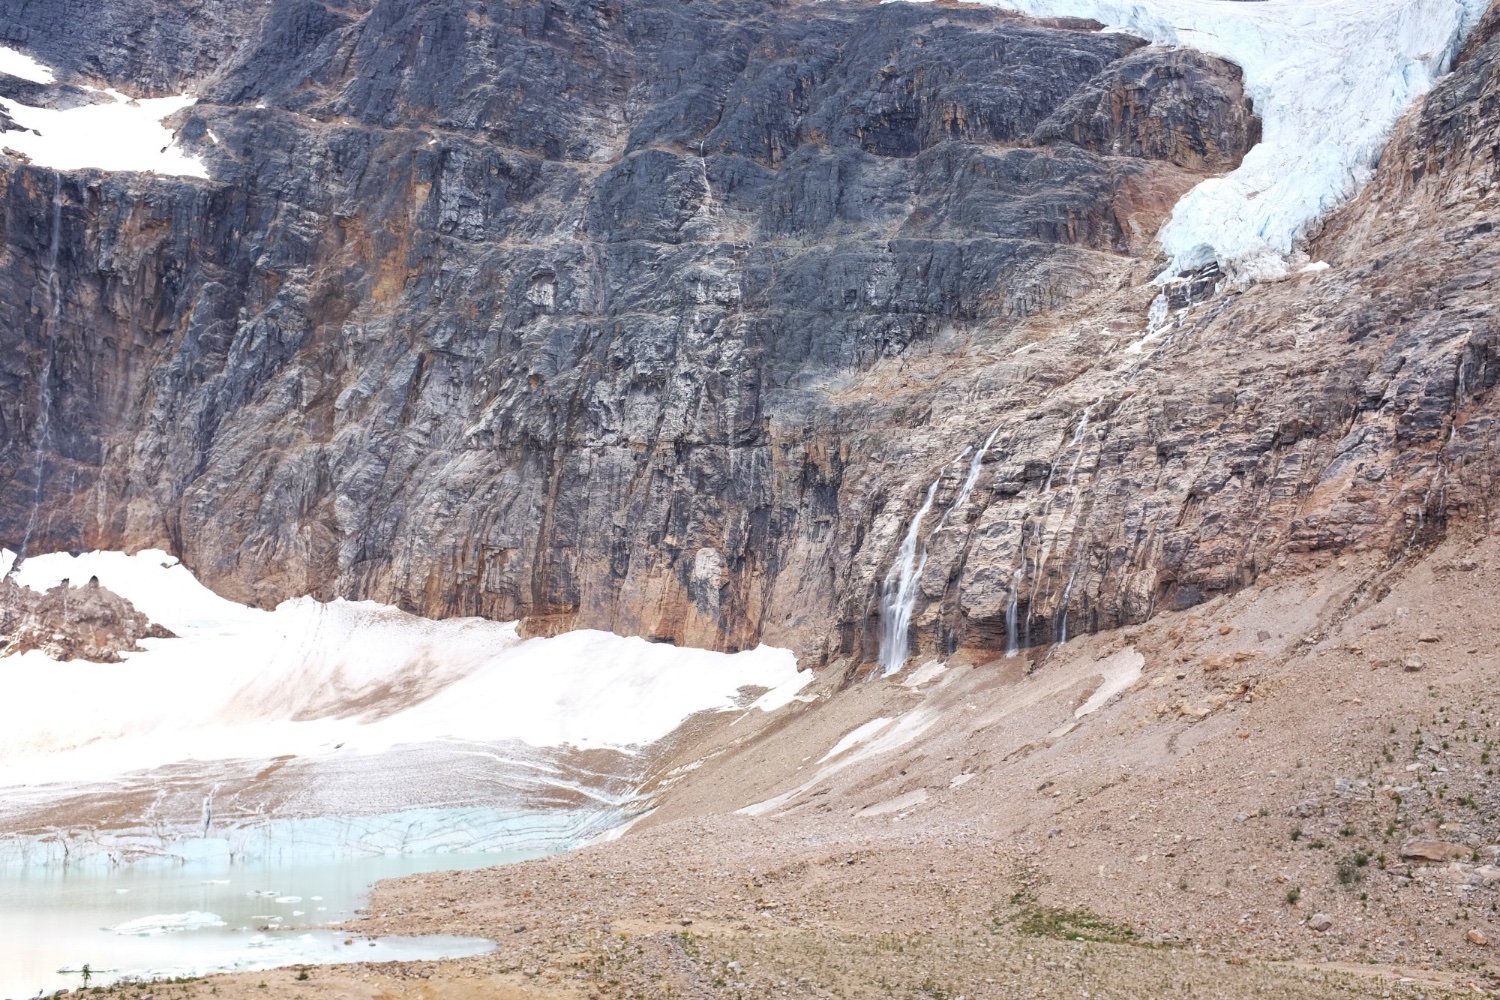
(641, 315)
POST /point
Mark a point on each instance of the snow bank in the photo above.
(309, 679)
(1329, 79)
(20, 65)
(1119, 671)
(120, 134)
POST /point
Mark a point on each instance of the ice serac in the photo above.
(1329, 81)
(522, 319)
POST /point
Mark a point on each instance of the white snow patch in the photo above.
(19, 64)
(785, 693)
(861, 734)
(311, 679)
(1315, 267)
(1329, 79)
(7, 560)
(121, 134)
(1120, 670)
(930, 670)
(907, 728)
(616, 832)
(900, 803)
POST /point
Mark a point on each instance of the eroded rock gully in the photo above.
(663, 318)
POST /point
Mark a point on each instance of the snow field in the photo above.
(309, 679)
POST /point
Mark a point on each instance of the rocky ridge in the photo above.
(67, 623)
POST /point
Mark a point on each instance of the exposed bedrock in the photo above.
(663, 317)
(84, 623)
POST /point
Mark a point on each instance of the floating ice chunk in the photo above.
(1329, 80)
(121, 134)
(19, 64)
(167, 923)
(288, 900)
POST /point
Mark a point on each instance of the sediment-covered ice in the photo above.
(311, 679)
(1329, 79)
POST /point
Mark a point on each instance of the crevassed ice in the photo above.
(1329, 79)
(118, 133)
(310, 678)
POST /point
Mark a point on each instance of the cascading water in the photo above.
(970, 480)
(898, 596)
(1013, 637)
(43, 430)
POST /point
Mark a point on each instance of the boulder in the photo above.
(1433, 850)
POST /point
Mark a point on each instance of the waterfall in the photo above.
(1157, 314)
(970, 480)
(1013, 630)
(1012, 644)
(1062, 638)
(898, 596)
(43, 429)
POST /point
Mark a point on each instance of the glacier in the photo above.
(340, 729)
(1329, 79)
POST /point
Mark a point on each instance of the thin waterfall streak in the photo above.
(1067, 593)
(899, 594)
(43, 428)
(1038, 535)
(1011, 645)
(975, 466)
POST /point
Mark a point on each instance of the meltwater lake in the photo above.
(159, 920)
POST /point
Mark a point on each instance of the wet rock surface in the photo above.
(554, 312)
(646, 319)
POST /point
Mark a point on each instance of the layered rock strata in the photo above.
(667, 320)
(594, 314)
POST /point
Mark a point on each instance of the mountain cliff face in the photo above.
(669, 318)
(596, 314)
